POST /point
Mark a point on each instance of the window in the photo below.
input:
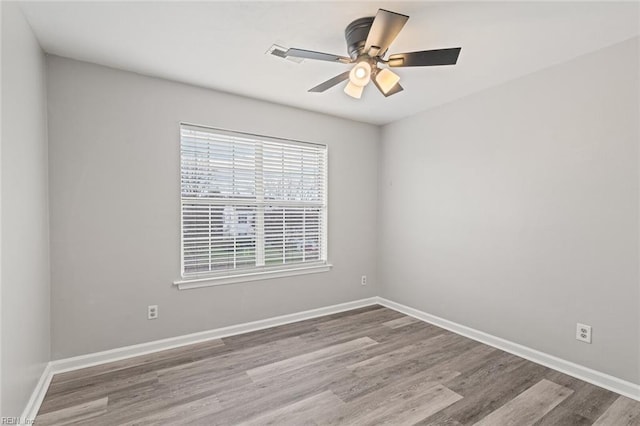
(250, 204)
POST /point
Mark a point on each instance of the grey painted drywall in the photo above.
(115, 213)
(515, 210)
(25, 218)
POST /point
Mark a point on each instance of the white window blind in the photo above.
(250, 202)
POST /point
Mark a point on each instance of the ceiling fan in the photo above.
(368, 40)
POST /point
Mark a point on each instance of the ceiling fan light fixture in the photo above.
(360, 75)
(353, 90)
(368, 41)
(386, 79)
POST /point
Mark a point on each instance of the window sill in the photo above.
(197, 282)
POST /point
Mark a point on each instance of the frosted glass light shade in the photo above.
(360, 75)
(386, 79)
(353, 90)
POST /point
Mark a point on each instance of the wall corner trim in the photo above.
(37, 396)
(614, 384)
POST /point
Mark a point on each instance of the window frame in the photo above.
(255, 273)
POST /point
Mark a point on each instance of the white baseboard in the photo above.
(89, 360)
(614, 384)
(97, 358)
(597, 378)
(37, 396)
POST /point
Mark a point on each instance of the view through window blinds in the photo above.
(250, 201)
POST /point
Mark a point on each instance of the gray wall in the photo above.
(515, 210)
(25, 229)
(115, 210)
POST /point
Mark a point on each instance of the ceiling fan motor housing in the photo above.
(356, 35)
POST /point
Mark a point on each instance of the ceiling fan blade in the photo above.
(425, 58)
(395, 89)
(385, 28)
(310, 54)
(330, 83)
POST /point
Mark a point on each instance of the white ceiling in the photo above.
(221, 45)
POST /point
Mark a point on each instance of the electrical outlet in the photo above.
(583, 333)
(152, 312)
(363, 280)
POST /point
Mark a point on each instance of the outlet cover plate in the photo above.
(583, 333)
(152, 312)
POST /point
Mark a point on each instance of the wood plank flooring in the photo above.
(368, 366)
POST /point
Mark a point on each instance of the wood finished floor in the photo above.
(362, 367)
